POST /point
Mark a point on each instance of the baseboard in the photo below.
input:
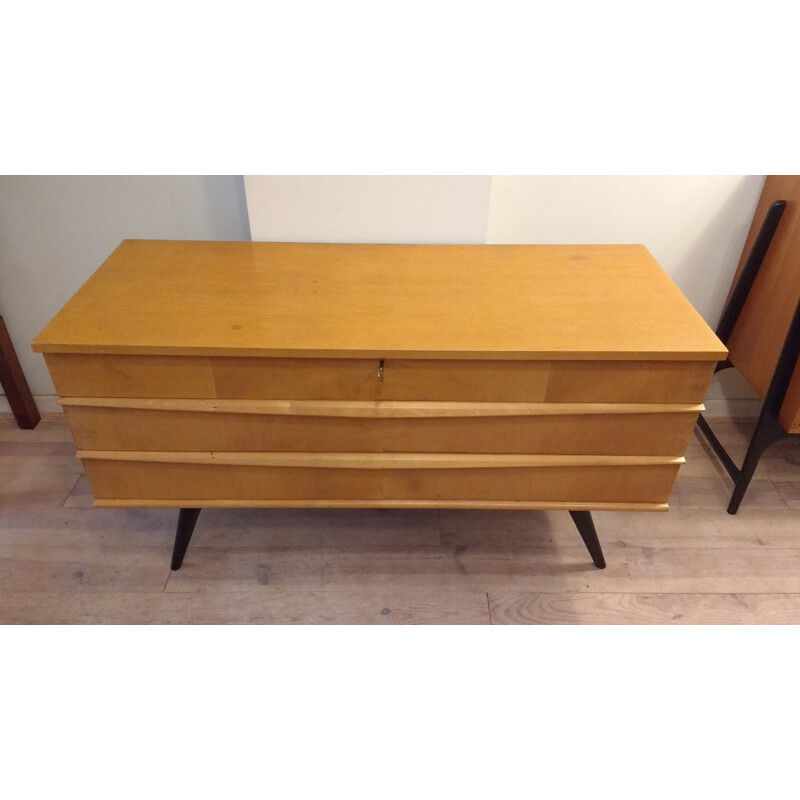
(46, 403)
(723, 408)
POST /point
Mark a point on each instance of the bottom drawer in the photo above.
(542, 480)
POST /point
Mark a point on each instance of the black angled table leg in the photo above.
(186, 522)
(768, 428)
(585, 525)
(767, 432)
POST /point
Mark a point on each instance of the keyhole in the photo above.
(380, 370)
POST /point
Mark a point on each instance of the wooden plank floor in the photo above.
(61, 561)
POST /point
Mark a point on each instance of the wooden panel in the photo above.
(382, 409)
(464, 380)
(294, 378)
(208, 484)
(378, 461)
(200, 377)
(642, 433)
(358, 379)
(82, 375)
(130, 376)
(384, 505)
(759, 334)
(632, 382)
(367, 300)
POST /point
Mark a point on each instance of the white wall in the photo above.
(404, 209)
(56, 231)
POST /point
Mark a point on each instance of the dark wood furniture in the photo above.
(14, 384)
(761, 326)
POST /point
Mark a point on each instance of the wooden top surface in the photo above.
(365, 300)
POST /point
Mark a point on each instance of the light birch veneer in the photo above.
(256, 374)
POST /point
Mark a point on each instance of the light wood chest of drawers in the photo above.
(234, 374)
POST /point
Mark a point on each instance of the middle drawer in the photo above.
(188, 425)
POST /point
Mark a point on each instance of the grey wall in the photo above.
(56, 230)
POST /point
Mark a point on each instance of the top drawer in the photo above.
(89, 375)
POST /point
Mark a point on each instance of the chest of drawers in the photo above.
(198, 374)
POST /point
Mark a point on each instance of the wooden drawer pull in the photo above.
(381, 460)
(379, 408)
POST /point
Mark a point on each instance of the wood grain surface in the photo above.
(382, 301)
(222, 377)
(208, 485)
(378, 409)
(476, 429)
(610, 608)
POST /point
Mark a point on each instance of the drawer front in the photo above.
(424, 428)
(92, 375)
(188, 409)
(195, 484)
(201, 377)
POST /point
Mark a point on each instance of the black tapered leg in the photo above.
(718, 448)
(767, 432)
(585, 525)
(186, 522)
(768, 428)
